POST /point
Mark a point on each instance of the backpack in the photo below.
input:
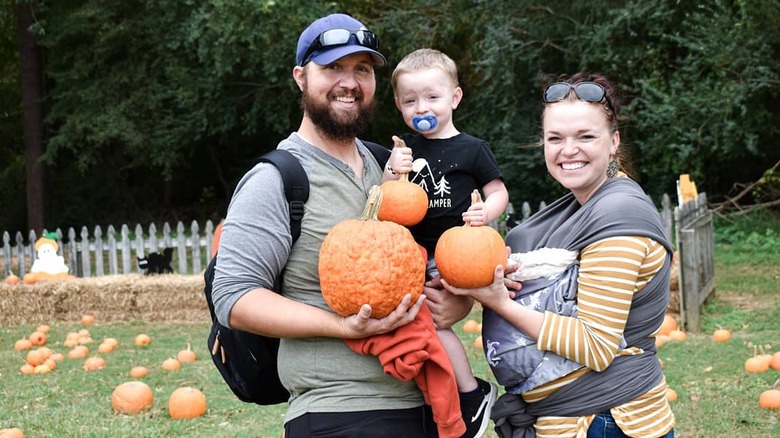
(247, 361)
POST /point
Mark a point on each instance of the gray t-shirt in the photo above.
(322, 374)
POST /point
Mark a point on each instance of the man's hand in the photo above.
(361, 325)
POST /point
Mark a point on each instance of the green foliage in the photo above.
(151, 104)
(748, 232)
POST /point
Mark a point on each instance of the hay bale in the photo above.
(110, 298)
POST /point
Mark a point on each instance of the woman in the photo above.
(593, 370)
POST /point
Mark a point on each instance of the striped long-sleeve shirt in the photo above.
(611, 272)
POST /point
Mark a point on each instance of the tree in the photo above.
(32, 95)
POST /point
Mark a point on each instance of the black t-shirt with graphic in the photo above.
(448, 170)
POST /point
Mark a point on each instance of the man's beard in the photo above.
(333, 127)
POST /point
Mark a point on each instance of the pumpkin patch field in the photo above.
(162, 341)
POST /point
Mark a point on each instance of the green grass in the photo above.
(716, 396)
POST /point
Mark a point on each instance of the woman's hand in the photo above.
(446, 308)
(493, 295)
(361, 325)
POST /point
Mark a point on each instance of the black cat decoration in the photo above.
(156, 263)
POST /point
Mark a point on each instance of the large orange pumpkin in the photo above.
(132, 397)
(186, 402)
(368, 261)
(403, 202)
(467, 256)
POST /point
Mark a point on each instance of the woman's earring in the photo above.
(612, 168)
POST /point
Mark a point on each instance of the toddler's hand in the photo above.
(401, 158)
(477, 214)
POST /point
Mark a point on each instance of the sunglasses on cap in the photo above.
(587, 91)
(340, 37)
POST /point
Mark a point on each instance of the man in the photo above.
(334, 391)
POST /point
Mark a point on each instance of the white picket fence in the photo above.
(112, 252)
(108, 253)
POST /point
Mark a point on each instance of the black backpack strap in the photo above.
(296, 185)
(381, 154)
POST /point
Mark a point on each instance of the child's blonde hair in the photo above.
(422, 59)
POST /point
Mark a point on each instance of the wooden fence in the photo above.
(112, 252)
(696, 245)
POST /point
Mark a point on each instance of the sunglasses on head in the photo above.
(340, 37)
(587, 91)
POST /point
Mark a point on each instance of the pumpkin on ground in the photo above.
(769, 399)
(467, 256)
(186, 402)
(132, 397)
(403, 202)
(94, 363)
(171, 364)
(11, 432)
(38, 338)
(138, 372)
(143, 340)
(721, 335)
(775, 362)
(368, 261)
(186, 355)
(669, 324)
(22, 344)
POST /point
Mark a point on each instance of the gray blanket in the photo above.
(618, 208)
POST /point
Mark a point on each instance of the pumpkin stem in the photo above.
(373, 202)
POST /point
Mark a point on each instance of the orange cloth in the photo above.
(414, 351)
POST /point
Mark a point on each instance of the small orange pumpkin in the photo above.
(775, 362)
(403, 202)
(38, 338)
(186, 402)
(78, 352)
(671, 394)
(756, 364)
(29, 278)
(678, 335)
(12, 279)
(22, 345)
(470, 326)
(143, 340)
(721, 335)
(186, 355)
(769, 399)
(367, 261)
(171, 364)
(467, 256)
(11, 432)
(138, 372)
(26, 369)
(132, 397)
(87, 319)
(41, 369)
(669, 324)
(35, 357)
(94, 363)
(43, 328)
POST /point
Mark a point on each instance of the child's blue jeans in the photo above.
(604, 426)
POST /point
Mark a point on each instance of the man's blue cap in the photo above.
(330, 54)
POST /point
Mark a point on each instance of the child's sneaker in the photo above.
(476, 410)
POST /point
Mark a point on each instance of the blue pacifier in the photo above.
(425, 123)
